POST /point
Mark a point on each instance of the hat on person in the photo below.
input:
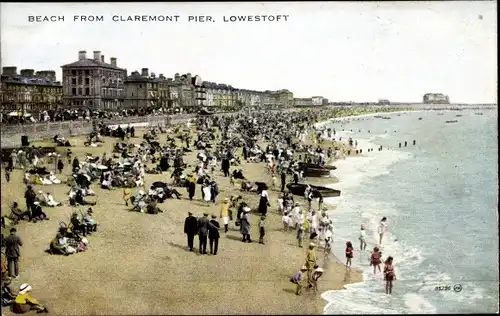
(213, 216)
(41, 192)
(312, 245)
(24, 288)
(303, 268)
(190, 213)
(226, 199)
(90, 210)
(319, 270)
(205, 214)
(246, 209)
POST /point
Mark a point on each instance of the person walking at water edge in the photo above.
(389, 275)
(190, 229)
(310, 261)
(382, 228)
(349, 254)
(13, 252)
(375, 260)
(362, 236)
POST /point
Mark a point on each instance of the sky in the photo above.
(345, 51)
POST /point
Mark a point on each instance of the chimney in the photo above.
(145, 72)
(82, 55)
(153, 75)
(27, 73)
(102, 59)
(97, 55)
(113, 61)
(51, 75)
(9, 71)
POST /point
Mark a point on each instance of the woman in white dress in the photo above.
(382, 228)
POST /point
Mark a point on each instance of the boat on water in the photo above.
(440, 113)
(479, 113)
(315, 166)
(458, 115)
(420, 118)
(316, 172)
(300, 189)
(453, 121)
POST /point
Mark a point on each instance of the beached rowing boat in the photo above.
(315, 172)
(453, 121)
(300, 188)
(313, 165)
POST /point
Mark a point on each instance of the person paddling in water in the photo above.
(349, 253)
(375, 260)
(382, 227)
(389, 275)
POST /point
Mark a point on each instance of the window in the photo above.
(80, 91)
(73, 81)
(140, 86)
(80, 72)
(87, 91)
(80, 80)
(73, 91)
(73, 72)
(87, 80)
(87, 72)
(91, 102)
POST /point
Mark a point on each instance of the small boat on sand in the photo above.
(479, 113)
(453, 121)
(313, 165)
(300, 189)
(458, 115)
(315, 172)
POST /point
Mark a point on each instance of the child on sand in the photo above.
(127, 194)
(349, 253)
(286, 221)
(262, 231)
(300, 234)
(317, 273)
(298, 279)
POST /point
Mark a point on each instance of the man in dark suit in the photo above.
(190, 229)
(12, 252)
(213, 235)
(203, 225)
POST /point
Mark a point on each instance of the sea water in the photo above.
(440, 197)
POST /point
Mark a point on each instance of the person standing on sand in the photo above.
(127, 194)
(310, 261)
(283, 179)
(190, 229)
(191, 186)
(203, 225)
(224, 213)
(213, 235)
(382, 228)
(298, 279)
(12, 252)
(389, 275)
(245, 224)
(349, 254)
(263, 202)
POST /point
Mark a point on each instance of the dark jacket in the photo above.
(191, 225)
(30, 195)
(213, 231)
(12, 244)
(203, 225)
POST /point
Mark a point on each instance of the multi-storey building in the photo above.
(210, 89)
(284, 98)
(317, 101)
(300, 102)
(146, 91)
(93, 83)
(29, 92)
(436, 98)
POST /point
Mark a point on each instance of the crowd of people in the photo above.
(217, 140)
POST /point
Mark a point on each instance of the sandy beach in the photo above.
(139, 264)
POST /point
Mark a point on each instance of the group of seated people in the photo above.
(144, 203)
(46, 199)
(21, 303)
(41, 179)
(76, 196)
(71, 239)
(16, 214)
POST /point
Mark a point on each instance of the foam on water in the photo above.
(417, 277)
